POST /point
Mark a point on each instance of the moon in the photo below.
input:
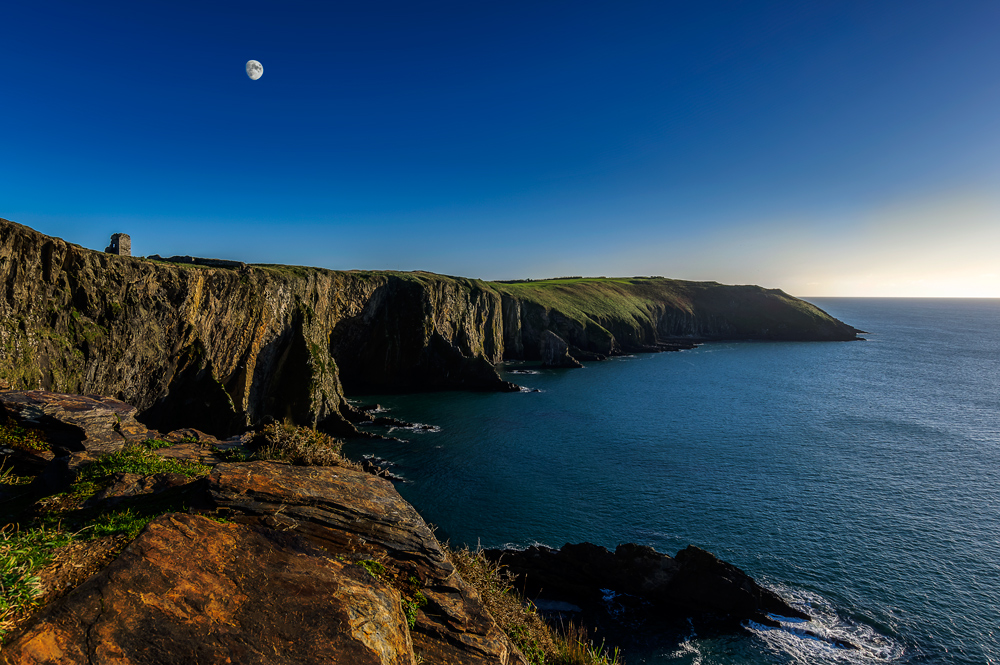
(254, 69)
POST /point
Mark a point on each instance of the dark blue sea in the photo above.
(860, 480)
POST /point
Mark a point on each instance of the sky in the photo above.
(824, 148)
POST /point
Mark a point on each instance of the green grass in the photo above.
(374, 568)
(139, 460)
(125, 522)
(13, 435)
(9, 478)
(232, 454)
(601, 298)
(22, 554)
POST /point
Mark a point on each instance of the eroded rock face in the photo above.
(192, 590)
(555, 352)
(312, 565)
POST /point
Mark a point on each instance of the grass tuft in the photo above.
(139, 460)
(8, 477)
(124, 522)
(156, 444)
(374, 568)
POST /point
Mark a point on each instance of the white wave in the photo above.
(688, 649)
(381, 461)
(423, 428)
(519, 547)
(826, 637)
(416, 428)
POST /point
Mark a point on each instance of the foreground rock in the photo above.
(693, 583)
(291, 565)
(193, 590)
(363, 516)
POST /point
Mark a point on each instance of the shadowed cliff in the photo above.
(225, 346)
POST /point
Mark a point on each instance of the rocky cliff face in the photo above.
(221, 347)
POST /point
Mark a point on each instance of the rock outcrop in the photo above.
(554, 351)
(74, 423)
(193, 590)
(693, 583)
(221, 346)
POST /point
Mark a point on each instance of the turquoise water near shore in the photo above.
(859, 479)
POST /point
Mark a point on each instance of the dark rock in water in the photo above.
(389, 421)
(75, 423)
(555, 352)
(693, 583)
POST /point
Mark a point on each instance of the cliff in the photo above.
(224, 346)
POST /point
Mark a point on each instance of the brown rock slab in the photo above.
(75, 423)
(126, 486)
(363, 516)
(192, 590)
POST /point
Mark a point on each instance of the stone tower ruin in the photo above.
(121, 244)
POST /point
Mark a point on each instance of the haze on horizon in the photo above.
(824, 148)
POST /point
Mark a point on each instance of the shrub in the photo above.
(303, 446)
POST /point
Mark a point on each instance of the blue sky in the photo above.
(826, 148)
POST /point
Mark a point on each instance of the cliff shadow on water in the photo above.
(223, 346)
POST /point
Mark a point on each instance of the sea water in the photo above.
(860, 480)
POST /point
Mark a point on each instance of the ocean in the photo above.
(858, 479)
